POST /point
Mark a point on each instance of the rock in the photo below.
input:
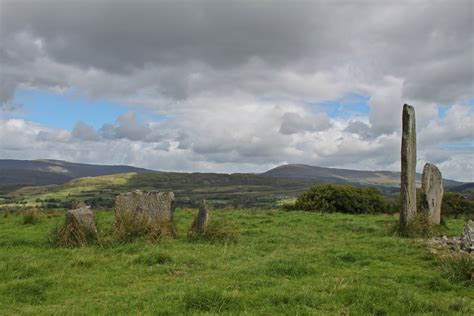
(84, 218)
(467, 237)
(432, 192)
(408, 167)
(200, 222)
(153, 207)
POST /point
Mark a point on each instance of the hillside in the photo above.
(247, 190)
(333, 175)
(42, 172)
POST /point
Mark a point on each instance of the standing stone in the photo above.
(83, 218)
(467, 237)
(78, 230)
(151, 207)
(408, 162)
(200, 222)
(432, 192)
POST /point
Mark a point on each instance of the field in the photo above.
(294, 263)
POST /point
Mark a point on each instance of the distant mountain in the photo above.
(463, 188)
(41, 172)
(333, 175)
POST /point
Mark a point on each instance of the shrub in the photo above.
(31, 217)
(217, 230)
(455, 204)
(459, 268)
(341, 198)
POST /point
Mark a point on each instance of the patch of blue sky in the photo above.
(442, 111)
(65, 109)
(459, 146)
(350, 105)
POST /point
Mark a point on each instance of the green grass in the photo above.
(292, 263)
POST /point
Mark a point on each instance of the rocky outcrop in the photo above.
(432, 192)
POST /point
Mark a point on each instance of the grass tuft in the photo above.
(288, 268)
(131, 226)
(71, 235)
(210, 300)
(419, 227)
(154, 258)
(217, 230)
(31, 217)
(458, 268)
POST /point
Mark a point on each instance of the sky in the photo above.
(237, 86)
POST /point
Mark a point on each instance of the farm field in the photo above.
(293, 263)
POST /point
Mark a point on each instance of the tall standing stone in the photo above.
(408, 162)
(432, 192)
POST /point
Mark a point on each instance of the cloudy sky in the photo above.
(237, 86)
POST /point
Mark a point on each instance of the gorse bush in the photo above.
(341, 198)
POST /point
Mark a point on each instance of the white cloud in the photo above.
(240, 85)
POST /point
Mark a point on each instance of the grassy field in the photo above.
(293, 263)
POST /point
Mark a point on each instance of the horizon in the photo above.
(229, 173)
(209, 87)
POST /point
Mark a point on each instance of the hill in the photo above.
(334, 175)
(41, 172)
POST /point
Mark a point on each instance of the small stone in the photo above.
(84, 217)
(199, 224)
(445, 238)
(467, 236)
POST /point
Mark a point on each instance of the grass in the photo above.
(292, 263)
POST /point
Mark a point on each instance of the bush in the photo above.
(455, 204)
(341, 198)
(217, 230)
(31, 217)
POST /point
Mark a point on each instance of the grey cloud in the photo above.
(360, 128)
(84, 131)
(293, 123)
(203, 45)
(127, 127)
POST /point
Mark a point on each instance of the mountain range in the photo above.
(43, 172)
